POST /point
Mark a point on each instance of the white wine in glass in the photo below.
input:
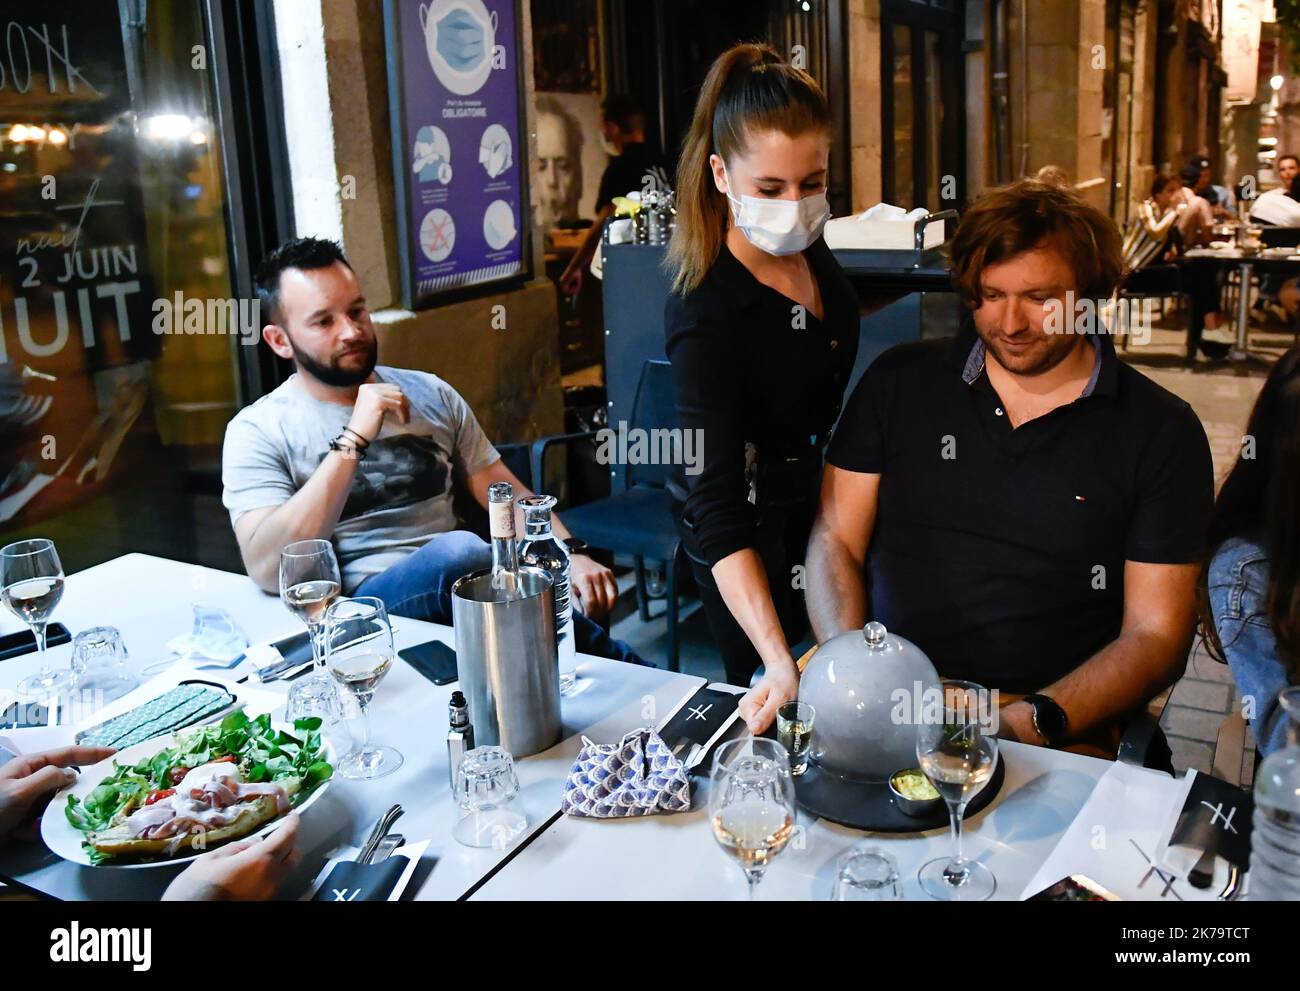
(751, 803)
(309, 600)
(309, 583)
(31, 585)
(753, 833)
(359, 652)
(958, 756)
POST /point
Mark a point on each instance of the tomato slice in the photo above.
(228, 759)
(158, 796)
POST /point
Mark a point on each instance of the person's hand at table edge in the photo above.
(246, 870)
(29, 780)
(594, 587)
(779, 684)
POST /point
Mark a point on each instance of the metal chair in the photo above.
(1160, 282)
(637, 519)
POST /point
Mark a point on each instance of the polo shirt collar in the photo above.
(971, 352)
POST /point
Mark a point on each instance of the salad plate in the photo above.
(166, 801)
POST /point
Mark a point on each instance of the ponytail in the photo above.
(748, 89)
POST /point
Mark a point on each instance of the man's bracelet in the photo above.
(345, 445)
(361, 441)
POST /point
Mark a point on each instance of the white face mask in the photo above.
(780, 227)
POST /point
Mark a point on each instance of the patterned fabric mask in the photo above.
(637, 776)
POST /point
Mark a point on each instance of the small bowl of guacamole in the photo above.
(913, 793)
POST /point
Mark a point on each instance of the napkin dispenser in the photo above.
(508, 660)
(887, 227)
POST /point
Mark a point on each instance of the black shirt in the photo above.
(626, 173)
(752, 366)
(1001, 552)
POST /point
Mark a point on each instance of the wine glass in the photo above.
(359, 652)
(958, 755)
(751, 803)
(309, 583)
(32, 581)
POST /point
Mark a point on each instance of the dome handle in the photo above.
(874, 634)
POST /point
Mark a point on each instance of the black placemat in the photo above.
(1216, 816)
(349, 881)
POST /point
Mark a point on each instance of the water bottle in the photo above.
(1275, 837)
(540, 549)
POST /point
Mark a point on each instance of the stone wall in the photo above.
(864, 102)
(499, 350)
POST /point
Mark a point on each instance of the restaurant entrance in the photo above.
(128, 330)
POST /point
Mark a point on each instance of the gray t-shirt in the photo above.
(402, 492)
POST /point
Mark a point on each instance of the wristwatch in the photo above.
(1050, 719)
(575, 545)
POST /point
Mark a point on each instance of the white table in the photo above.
(148, 599)
(676, 858)
(672, 857)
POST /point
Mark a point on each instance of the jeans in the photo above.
(419, 587)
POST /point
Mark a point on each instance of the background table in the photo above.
(673, 857)
(1211, 260)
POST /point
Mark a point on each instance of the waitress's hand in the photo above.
(778, 685)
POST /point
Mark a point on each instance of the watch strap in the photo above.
(1050, 719)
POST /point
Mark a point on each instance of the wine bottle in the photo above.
(501, 524)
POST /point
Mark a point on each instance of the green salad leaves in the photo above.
(262, 753)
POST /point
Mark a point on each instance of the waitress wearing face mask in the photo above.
(762, 331)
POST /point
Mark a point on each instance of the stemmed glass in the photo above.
(958, 756)
(751, 803)
(359, 652)
(32, 581)
(309, 583)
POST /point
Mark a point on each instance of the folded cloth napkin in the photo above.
(637, 776)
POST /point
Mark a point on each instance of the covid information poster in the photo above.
(456, 96)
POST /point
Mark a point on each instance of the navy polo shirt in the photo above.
(998, 551)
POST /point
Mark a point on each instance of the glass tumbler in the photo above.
(487, 792)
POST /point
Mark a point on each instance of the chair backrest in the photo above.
(653, 412)
(635, 288)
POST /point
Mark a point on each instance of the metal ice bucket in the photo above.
(506, 655)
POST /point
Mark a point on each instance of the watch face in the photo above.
(1049, 718)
